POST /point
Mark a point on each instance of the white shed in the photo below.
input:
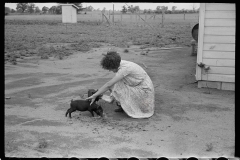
(216, 46)
(69, 13)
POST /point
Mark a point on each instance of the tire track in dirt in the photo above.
(53, 85)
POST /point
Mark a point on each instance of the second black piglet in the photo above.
(91, 92)
(84, 105)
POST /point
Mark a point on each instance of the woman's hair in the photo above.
(111, 60)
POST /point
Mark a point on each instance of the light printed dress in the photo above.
(135, 91)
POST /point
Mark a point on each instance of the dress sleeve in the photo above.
(123, 71)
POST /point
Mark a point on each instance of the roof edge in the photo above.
(69, 5)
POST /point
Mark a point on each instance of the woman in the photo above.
(131, 86)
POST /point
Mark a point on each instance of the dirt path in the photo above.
(187, 122)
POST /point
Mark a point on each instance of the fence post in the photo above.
(102, 17)
(113, 13)
(163, 14)
(162, 18)
(121, 17)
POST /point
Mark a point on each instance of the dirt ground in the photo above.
(188, 121)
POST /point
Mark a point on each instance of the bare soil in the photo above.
(188, 121)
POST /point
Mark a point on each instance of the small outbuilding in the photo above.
(216, 46)
(69, 13)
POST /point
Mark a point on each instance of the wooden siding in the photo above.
(218, 77)
(74, 15)
(221, 14)
(228, 86)
(220, 7)
(222, 70)
(218, 47)
(219, 62)
(219, 55)
(219, 22)
(219, 39)
(220, 31)
(217, 43)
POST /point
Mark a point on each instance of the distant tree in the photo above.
(124, 9)
(158, 10)
(149, 11)
(22, 6)
(7, 10)
(131, 9)
(136, 9)
(183, 11)
(45, 9)
(186, 10)
(173, 8)
(89, 8)
(53, 10)
(31, 7)
(145, 11)
(168, 12)
(13, 11)
(164, 8)
(161, 9)
(37, 10)
(104, 9)
(19, 11)
(58, 9)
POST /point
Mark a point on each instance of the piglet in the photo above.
(84, 105)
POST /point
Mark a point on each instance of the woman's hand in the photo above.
(92, 97)
(105, 87)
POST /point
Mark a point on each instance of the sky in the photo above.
(118, 6)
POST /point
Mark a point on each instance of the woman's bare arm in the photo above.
(106, 87)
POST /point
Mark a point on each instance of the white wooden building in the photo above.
(69, 13)
(216, 46)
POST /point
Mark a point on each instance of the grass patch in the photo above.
(29, 34)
